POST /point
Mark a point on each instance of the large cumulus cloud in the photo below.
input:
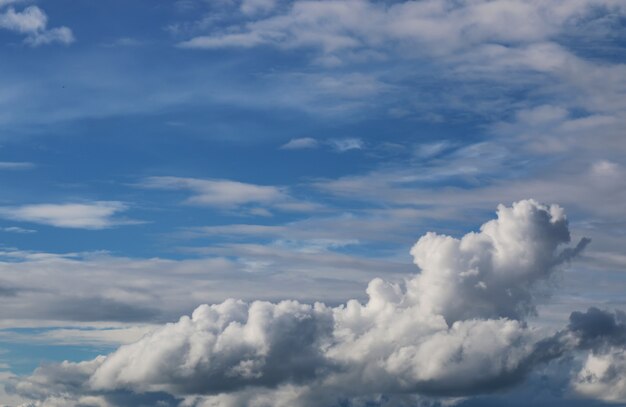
(225, 347)
(455, 329)
(492, 273)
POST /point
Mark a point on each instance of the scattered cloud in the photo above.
(32, 22)
(228, 194)
(437, 27)
(16, 165)
(338, 145)
(300, 144)
(91, 215)
(346, 144)
(17, 229)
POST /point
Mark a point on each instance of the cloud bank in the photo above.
(456, 329)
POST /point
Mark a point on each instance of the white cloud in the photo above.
(16, 165)
(228, 194)
(346, 144)
(17, 229)
(400, 341)
(219, 192)
(33, 21)
(438, 27)
(603, 376)
(300, 143)
(92, 215)
(224, 346)
(493, 273)
(62, 35)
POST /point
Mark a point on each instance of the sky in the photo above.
(312, 203)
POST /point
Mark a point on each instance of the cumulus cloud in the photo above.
(597, 329)
(492, 273)
(457, 328)
(92, 215)
(603, 373)
(225, 347)
(603, 376)
(33, 22)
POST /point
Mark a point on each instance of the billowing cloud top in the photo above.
(456, 328)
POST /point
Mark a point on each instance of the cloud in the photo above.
(346, 144)
(16, 165)
(402, 340)
(603, 373)
(227, 194)
(93, 215)
(106, 287)
(251, 7)
(597, 329)
(33, 21)
(99, 335)
(493, 273)
(300, 143)
(436, 27)
(225, 347)
(17, 229)
(603, 376)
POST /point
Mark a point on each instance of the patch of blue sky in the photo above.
(23, 356)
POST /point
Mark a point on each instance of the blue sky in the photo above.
(160, 155)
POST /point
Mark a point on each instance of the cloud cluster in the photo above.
(436, 27)
(603, 374)
(456, 329)
(33, 23)
(493, 273)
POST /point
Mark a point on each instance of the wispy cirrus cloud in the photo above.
(346, 144)
(339, 145)
(300, 144)
(89, 215)
(229, 194)
(16, 229)
(16, 165)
